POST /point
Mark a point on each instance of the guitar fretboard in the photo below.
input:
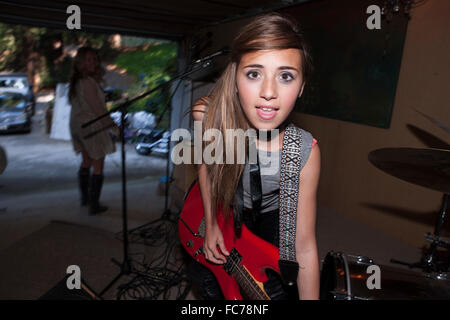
(245, 280)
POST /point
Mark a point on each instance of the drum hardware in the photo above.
(429, 261)
(343, 277)
(364, 260)
(347, 279)
(428, 168)
(439, 242)
(444, 276)
(344, 269)
(360, 260)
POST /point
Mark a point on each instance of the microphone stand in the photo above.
(145, 229)
(126, 267)
(142, 231)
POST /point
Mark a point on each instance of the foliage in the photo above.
(43, 52)
(154, 65)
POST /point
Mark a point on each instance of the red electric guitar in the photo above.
(243, 274)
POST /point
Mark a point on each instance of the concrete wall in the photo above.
(349, 183)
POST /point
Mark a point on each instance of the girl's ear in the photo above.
(301, 90)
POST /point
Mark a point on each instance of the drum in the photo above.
(349, 277)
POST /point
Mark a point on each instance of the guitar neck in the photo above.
(252, 289)
(249, 285)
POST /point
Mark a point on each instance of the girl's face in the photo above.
(269, 83)
(90, 63)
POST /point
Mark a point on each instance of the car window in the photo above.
(13, 83)
(11, 102)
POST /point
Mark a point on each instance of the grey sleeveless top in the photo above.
(269, 163)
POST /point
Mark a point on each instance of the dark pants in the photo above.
(264, 225)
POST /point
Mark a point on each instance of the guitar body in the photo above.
(256, 254)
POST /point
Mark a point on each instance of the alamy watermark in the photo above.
(374, 281)
(233, 143)
(374, 20)
(74, 20)
(74, 280)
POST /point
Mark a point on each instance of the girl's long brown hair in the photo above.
(265, 32)
(78, 71)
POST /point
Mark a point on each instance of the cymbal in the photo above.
(429, 168)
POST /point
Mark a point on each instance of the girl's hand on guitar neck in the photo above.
(213, 241)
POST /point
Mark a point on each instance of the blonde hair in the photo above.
(265, 32)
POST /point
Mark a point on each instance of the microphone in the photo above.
(224, 50)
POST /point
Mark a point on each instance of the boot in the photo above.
(83, 182)
(94, 193)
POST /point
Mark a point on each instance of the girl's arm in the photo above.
(213, 236)
(308, 280)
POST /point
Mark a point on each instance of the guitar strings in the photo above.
(249, 279)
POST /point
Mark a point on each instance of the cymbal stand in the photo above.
(429, 261)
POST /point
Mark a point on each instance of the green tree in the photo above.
(152, 65)
(41, 51)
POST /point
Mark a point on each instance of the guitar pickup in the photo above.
(233, 261)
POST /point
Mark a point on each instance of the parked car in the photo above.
(15, 113)
(18, 83)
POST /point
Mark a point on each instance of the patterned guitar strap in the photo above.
(289, 185)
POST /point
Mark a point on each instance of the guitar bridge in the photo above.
(233, 261)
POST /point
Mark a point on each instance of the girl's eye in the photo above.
(252, 75)
(286, 77)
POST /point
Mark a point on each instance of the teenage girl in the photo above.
(269, 67)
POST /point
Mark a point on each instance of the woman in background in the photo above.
(88, 102)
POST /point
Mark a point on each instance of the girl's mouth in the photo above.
(266, 112)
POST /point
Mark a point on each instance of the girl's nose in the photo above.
(268, 89)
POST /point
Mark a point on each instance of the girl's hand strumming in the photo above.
(213, 242)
